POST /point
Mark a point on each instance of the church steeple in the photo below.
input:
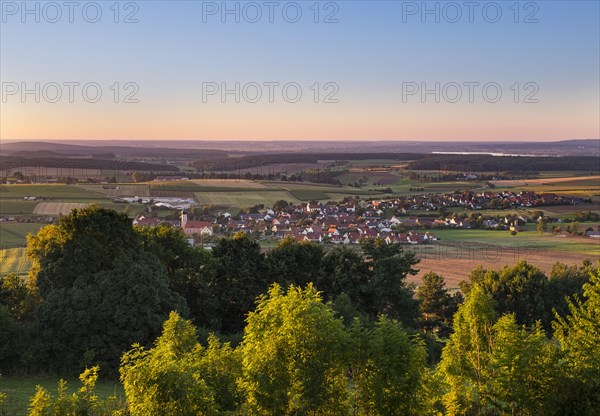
(184, 218)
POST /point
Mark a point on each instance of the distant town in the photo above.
(353, 220)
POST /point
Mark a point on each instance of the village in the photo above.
(406, 220)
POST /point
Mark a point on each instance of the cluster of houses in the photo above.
(355, 220)
(477, 200)
(330, 224)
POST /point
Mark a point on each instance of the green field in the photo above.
(15, 235)
(19, 391)
(531, 239)
(118, 190)
(14, 260)
(243, 199)
(70, 192)
(183, 186)
(309, 194)
(15, 207)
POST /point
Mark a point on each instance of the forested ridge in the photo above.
(490, 163)
(300, 330)
(15, 162)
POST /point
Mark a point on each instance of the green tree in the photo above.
(578, 334)
(101, 291)
(344, 271)
(542, 225)
(166, 380)
(566, 281)
(520, 289)
(294, 263)
(465, 357)
(10, 334)
(573, 227)
(240, 279)
(292, 355)
(437, 306)
(221, 367)
(84, 402)
(191, 271)
(387, 377)
(17, 296)
(280, 205)
(524, 370)
(388, 292)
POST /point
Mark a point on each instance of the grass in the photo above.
(243, 199)
(119, 190)
(530, 239)
(184, 186)
(15, 207)
(47, 191)
(19, 391)
(15, 235)
(309, 194)
(14, 260)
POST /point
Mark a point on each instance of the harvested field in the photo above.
(57, 208)
(580, 181)
(456, 262)
(14, 260)
(170, 194)
(229, 183)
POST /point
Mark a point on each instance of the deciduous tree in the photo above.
(292, 355)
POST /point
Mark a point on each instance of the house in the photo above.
(143, 221)
(310, 207)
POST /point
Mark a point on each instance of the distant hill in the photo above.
(208, 149)
(34, 149)
(9, 163)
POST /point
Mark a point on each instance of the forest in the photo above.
(490, 163)
(300, 330)
(8, 163)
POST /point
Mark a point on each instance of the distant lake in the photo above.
(490, 153)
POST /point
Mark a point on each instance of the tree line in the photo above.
(332, 332)
(489, 163)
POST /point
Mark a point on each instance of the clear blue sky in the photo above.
(371, 55)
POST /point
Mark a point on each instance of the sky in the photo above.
(305, 70)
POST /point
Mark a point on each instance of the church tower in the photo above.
(184, 218)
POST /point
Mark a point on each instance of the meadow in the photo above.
(15, 235)
(118, 190)
(19, 391)
(526, 239)
(16, 207)
(242, 199)
(48, 191)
